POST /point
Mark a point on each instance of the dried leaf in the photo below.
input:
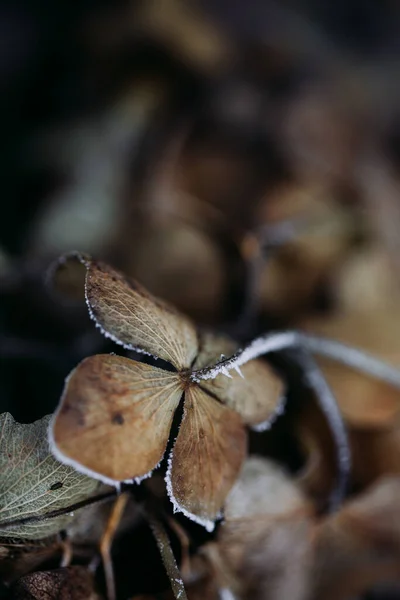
(375, 452)
(130, 316)
(33, 482)
(367, 317)
(359, 546)
(256, 394)
(115, 416)
(265, 490)
(364, 401)
(263, 548)
(59, 584)
(206, 458)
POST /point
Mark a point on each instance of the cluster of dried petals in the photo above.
(115, 414)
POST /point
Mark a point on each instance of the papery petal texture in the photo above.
(114, 418)
(255, 392)
(207, 457)
(128, 314)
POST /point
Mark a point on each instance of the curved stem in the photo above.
(327, 402)
(272, 342)
(306, 345)
(351, 357)
(282, 340)
(106, 541)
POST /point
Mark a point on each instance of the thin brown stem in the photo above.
(168, 558)
(185, 544)
(67, 553)
(107, 540)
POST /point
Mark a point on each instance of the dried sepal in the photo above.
(206, 458)
(114, 418)
(263, 547)
(130, 316)
(265, 490)
(254, 390)
(359, 547)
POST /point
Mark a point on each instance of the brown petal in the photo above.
(130, 316)
(358, 547)
(264, 490)
(206, 458)
(257, 396)
(114, 419)
(263, 546)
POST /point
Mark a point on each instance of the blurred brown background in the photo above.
(240, 159)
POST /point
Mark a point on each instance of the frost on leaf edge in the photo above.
(177, 507)
(70, 462)
(86, 260)
(66, 460)
(267, 424)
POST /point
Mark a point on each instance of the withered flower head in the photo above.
(115, 414)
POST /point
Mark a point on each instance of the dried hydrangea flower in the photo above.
(115, 414)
